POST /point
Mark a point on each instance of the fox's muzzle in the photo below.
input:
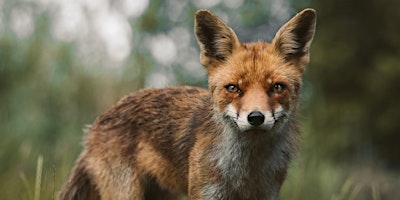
(255, 118)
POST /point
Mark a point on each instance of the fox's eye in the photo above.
(231, 88)
(278, 88)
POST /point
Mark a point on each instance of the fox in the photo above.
(232, 140)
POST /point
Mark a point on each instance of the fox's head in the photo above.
(255, 85)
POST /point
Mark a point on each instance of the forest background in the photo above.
(62, 63)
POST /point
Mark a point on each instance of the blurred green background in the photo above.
(64, 62)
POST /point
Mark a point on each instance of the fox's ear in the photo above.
(293, 40)
(216, 39)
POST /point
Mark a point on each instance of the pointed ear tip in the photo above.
(202, 12)
(310, 12)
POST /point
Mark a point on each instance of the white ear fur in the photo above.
(294, 38)
(216, 39)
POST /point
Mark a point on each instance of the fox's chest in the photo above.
(242, 179)
(247, 171)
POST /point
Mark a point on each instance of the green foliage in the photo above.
(355, 74)
(52, 85)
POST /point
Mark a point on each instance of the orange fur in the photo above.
(233, 141)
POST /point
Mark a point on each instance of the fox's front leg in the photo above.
(204, 178)
(201, 186)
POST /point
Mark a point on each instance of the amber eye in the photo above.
(231, 88)
(278, 88)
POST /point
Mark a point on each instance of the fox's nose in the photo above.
(255, 118)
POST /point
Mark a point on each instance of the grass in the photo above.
(38, 182)
(40, 175)
(312, 178)
(36, 191)
(307, 179)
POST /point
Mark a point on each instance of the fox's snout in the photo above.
(255, 118)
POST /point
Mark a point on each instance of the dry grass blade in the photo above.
(38, 181)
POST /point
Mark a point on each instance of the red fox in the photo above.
(232, 141)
